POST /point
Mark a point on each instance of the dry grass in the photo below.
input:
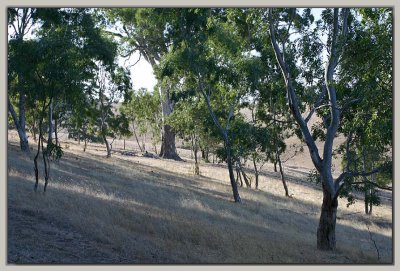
(143, 210)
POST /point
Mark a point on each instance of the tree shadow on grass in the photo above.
(170, 215)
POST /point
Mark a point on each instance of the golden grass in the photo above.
(143, 210)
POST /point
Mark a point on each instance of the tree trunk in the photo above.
(35, 163)
(50, 119)
(195, 150)
(245, 178)
(23, 139)
(278, 158)
(255, 172)
(235, 191)
(107, 146)
(85, 146)
(55, 131)
(326, 237)
(46, 163)
(168, 149)
(275, 168)
(196, 163)
(239, 177)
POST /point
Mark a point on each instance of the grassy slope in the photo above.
(144, 210)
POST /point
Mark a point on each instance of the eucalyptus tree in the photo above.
(323, 83)
(207, 60)
(61, 59)
(367, 123)
(107, 88)
(142, 108)
(143, 30)
(20, 23)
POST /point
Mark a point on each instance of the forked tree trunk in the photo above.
(245, 178)
(326, 237)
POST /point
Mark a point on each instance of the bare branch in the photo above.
(115, 33)
(341, 180)
(317, 103)
(374, 184)
(293, 102)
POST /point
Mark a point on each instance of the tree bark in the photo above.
(137, 139)
(245, 178)
(107, 146)
(23, 139)
(50, 118)
(255, 171)
(196, 163)
(278, 159)
(168, 148)
(326, 236)
(56, 131)
(235, 190)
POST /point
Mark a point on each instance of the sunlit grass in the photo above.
(157, 211)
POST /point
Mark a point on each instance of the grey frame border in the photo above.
(181, 3)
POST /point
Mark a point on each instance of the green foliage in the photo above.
(54, 151)
(142, 108)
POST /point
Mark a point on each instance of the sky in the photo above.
(142, 75)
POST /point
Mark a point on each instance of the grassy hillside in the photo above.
(145, 210)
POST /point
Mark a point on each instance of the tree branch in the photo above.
(293, 102)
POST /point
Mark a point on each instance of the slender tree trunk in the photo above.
(245, 178)
(196, 163)
(136, 137)
(255, 171)
(239, 177)
(124, 143)
(235, 190)
(46, 163)
(56, 131)
(34, 128)
(107, 146)
(195, 150)
(278, 159)
(38, 147)
(275, 168)
(50, 119)
(85, 146)
(35, 162)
